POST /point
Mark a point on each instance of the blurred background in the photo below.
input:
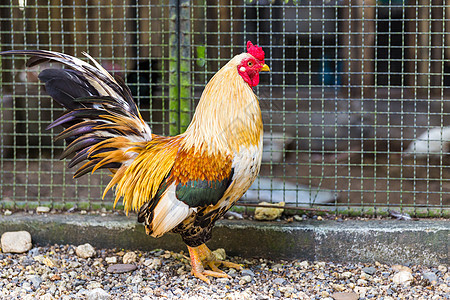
(355, 108)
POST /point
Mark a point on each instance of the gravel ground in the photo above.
(57, 272)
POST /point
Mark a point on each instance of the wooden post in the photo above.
(224, 29)
(212, 26)
(179, 66)
(345, 29)
(447, 29)
(93, 28)
(437, 53)
(358, 27)
(419, 45)
(5, 27)
(368, 50)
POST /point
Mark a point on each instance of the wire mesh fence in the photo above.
(355, 108)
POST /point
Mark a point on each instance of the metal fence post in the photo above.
(179, 75)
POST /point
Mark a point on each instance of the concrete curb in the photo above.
(423, 242)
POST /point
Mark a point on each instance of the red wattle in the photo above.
(250, 76)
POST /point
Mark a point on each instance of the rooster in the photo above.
(182, 183)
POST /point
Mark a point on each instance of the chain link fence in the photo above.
(355, 109)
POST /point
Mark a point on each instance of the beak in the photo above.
(265, 68)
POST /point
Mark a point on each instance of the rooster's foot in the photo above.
(201, 256)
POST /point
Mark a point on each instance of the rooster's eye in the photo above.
(250, 64)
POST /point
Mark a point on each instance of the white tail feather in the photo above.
(169, 213)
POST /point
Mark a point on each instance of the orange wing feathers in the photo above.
(139, 181)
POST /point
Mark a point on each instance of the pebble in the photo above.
(16, 242)
(94, 285)
(153, 264)
(111, 260)
(298, 218)
(7, 212)
(247, 272)
(304, 264)
(279, 281)
(220, 254)
(74, 264)
(287, 290)
(398, 268)
(97, 294)
(345, 296)
(78, 282)
(269, 213)
(347, 274)
(121, 268)
(129, 258)
(402, 277)
(33, 252)
(337, 287)
(442, 268)
(50, 262)
(320, 264)
(46, 296)
(430, 278)
(85, 251)
(27, 277)
(443, 287)
(369, 270)
(245, 279)
(42, 209)
(233, 273)
(277, 267)
(361, 291)
(35, 280)
(302, 296)
(39, 258)
(361, 282)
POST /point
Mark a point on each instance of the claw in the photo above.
(201, 276)
(201, 256)
(220, 274)
(214, 268)
(231, 265)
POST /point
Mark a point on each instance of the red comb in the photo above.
(256, 51)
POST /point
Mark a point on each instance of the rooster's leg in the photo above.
(201, 256)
